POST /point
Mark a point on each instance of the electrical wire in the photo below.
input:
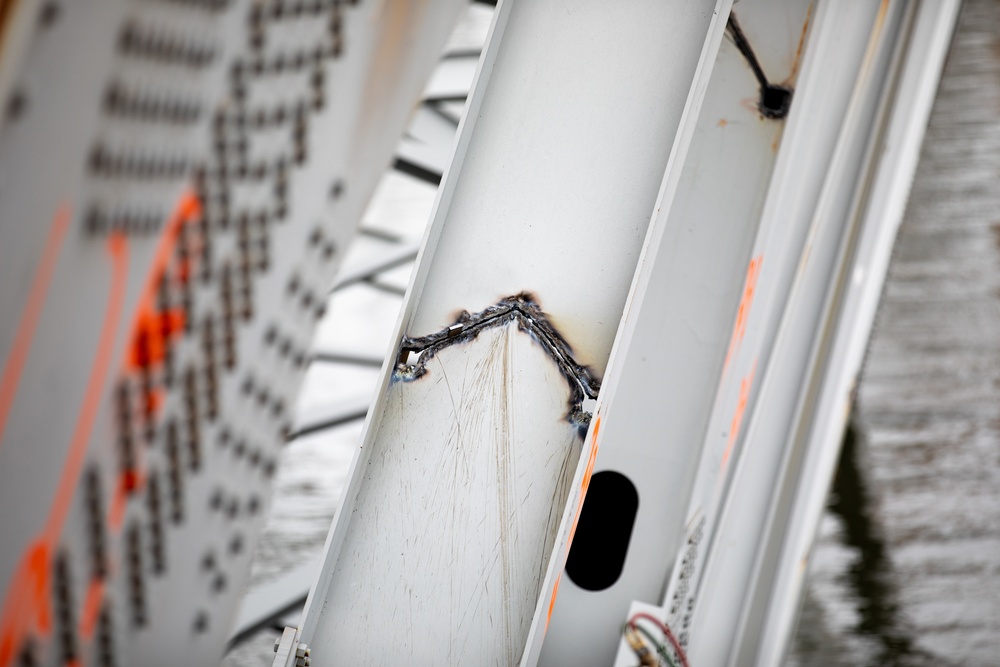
(660, 648)
(667, 632)
(638, 646)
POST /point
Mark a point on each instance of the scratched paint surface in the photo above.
(523, 209)
(473, 458)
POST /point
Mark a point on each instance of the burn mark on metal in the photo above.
(775, 100)
(414, 353)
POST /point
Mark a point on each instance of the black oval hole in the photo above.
(603, 531)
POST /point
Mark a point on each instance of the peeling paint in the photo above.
(414, 353)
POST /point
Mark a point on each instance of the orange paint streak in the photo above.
(552, 601)
(118, 247)
(584, 484)
(18, 355)
(27, 601)
(153, 331)
(91, 608)
(741, 406)
(743, 312)
(128, 481)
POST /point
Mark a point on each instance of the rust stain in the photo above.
(6, 18)
(722, 122)
(797, 60)
(882, 11)
(396, 21)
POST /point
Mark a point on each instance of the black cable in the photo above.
(744, 46)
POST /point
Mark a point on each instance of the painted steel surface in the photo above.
(177, 183)
(850, 305)
(550, 192)
(696, 271)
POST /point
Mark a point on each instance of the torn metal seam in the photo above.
(532, 320)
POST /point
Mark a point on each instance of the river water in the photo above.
(906, 569)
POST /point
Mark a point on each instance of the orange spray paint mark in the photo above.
(587, 473)
(91, 608)
(118, 247)
(584, 484)
(552, 601)
(741, 406)
(32, 312)
(743, 313)
(154, 331)
(27, 602)
(128, 481)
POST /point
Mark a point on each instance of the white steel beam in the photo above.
(848, 314)
(726, 306)
(665, 368)
(469, 453)
(711, 519)
(742, 556)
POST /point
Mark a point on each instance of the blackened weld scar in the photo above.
(414, 353)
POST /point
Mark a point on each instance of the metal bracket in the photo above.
(289, 652)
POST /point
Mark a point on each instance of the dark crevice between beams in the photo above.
(416, 171)
(414, 353)
(775, 100)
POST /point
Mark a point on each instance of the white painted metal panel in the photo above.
(152, 341)
(670, 354)
(815, 175)
(731, 568)
(550, 192)
(829, 71)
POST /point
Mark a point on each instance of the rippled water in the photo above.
(906, 570)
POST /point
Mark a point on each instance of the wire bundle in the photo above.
(646, 659)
